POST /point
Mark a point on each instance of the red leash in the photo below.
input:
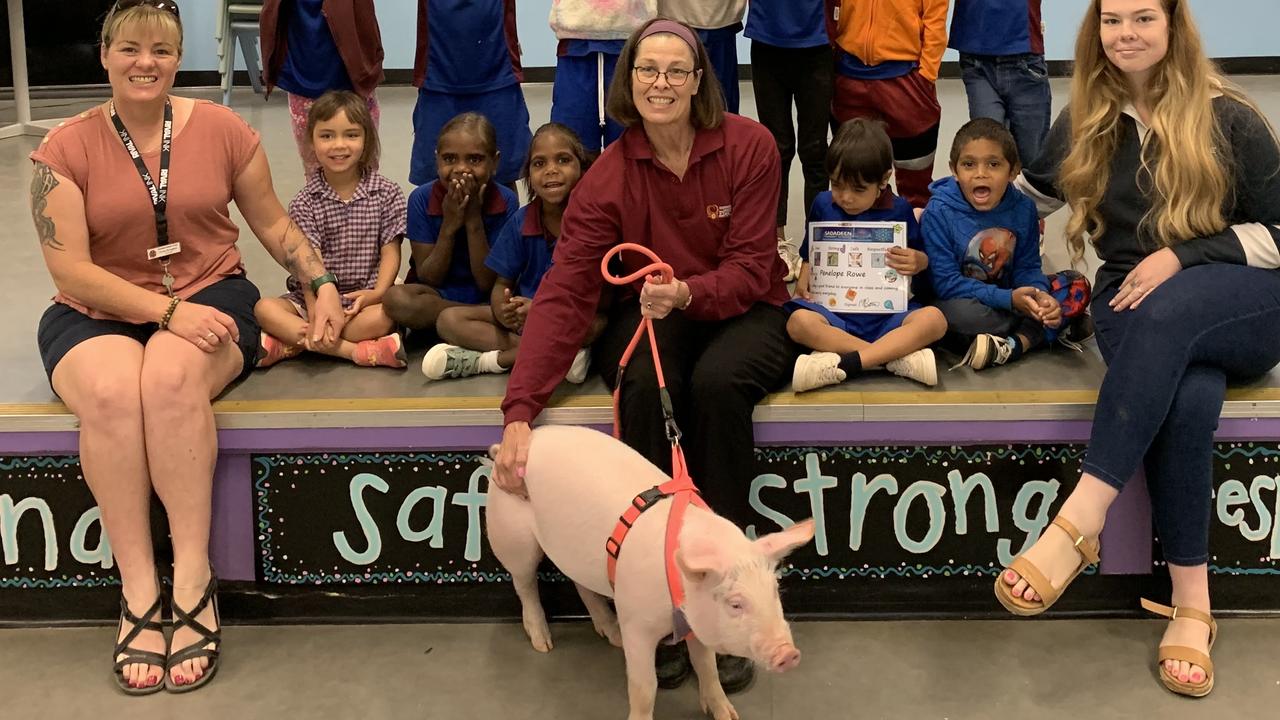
(681, 486)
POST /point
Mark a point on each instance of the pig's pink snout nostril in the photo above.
(786, 658)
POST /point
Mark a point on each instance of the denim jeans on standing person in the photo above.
(1168, 364)
(1014, 90)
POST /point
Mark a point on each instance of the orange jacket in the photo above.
(876, 31)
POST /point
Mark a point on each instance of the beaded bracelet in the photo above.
(168, 313)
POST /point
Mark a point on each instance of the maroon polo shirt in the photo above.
(715, 227)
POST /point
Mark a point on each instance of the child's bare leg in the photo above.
(812, 330)
(472, 327)
(345, 349)
(920, 329)
(415, 305)
(368, 324)
(598, 324)
(507, 356)
(279, 319)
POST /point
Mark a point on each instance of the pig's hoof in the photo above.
(539, 635)
(611, 632)
(719, 708)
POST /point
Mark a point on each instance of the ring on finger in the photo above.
(648, 305)
(211, 336)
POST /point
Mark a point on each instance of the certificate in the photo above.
(848, 270)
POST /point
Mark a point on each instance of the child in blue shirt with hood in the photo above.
(982, 239)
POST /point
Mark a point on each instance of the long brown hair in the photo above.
(1184, 154)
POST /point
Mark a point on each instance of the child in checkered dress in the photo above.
(356, 219)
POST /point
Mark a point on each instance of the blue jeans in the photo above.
(1168, 363)
(1014, 90)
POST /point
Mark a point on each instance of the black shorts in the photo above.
(63, 327)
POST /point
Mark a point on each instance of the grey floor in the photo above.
(953, 670)
(945, 670)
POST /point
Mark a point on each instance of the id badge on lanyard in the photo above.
(158, 191)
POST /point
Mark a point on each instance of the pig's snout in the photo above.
(785, 658)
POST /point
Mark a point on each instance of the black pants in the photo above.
(968, 318)
(781, 76)
(716, 372)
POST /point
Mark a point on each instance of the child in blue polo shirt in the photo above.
(860, 165)
(484, 339)
(452, 221)
(468, 60)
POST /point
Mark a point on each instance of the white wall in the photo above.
(1234, 28)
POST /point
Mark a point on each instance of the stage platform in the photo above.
(347, 493)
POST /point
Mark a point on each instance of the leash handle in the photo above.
(656, 266)
(646, 326)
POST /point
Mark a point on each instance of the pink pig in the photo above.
(579, 482)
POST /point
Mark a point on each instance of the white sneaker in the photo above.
(450, 361)
(815, 370)
(790, 257)
(919, 366)
(985, 351)
(578, 370)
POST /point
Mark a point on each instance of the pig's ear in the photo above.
(778, 545)
(700, 560)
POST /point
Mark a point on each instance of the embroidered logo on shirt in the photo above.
(719, 212)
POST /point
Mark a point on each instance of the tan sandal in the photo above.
(1088, 550)
(1185, 654)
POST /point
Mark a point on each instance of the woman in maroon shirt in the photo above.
(700, 187)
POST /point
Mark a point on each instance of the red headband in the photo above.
(675, 28)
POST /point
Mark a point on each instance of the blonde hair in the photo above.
(145, 18)
(1185, 154)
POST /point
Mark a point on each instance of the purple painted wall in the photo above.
(1126, 540)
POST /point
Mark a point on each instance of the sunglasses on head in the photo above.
(170, 5)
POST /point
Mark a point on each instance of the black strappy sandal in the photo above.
(148, 621)
(183, 618)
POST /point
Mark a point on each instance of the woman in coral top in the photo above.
(154, 317)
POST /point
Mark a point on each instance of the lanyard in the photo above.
(157, 191)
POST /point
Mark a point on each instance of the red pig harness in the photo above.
(680, 488)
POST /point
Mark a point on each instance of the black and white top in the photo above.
(1252, 207)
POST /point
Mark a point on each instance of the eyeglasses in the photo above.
(170, 5)
(676, 77)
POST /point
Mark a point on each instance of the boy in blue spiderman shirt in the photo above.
(982, 237)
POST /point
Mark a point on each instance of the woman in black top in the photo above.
(1172, 173)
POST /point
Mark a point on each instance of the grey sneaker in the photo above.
(919, 366)
(790, 257)
(985, 351)
(450, 361)
(816, 370)
(578, 370)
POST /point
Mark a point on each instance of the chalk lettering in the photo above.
(11, 514)
(753, 498)
(373, 537)
(815, 483)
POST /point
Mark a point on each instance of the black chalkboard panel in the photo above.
(62, 42)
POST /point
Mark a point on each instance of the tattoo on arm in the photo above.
(42, 183)
(300, 257)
